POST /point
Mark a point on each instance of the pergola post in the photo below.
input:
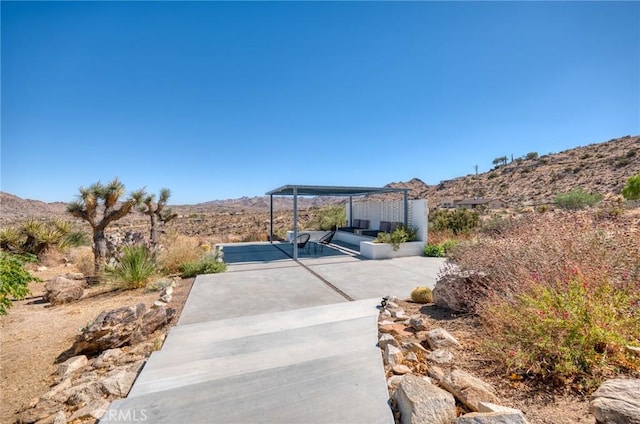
(271, 218)
(350, 223)
(295, 223)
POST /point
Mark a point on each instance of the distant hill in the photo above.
(600, 168)
(13, 208)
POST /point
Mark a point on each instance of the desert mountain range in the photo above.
(598, 168)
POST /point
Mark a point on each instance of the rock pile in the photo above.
(422, 391)
(120, 341)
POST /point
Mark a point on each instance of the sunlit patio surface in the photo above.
(274, 340)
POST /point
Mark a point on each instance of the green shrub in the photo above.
(458, 221)
(631, 190)
(576, 199)
(206, 265)
(400, 235)
(329, 218)
(422, 295)
(134, 267)
(14, 280)
(434, 251)
(574, 331)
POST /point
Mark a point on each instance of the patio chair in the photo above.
(303, 241)
(325, 240)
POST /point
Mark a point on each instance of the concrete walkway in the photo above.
(273, 341)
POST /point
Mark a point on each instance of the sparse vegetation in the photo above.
(576, 199)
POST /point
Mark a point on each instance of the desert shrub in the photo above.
(82, 257)
(134, 267)
(531, 156)
(400, 235)
(14, 279)
(75, 239)
(458, 220)
(179, 249)
(210, 264)
(631, 190)
(576, 199)
(329, 218)
(440, 250)
(434, 251)
(422, 295)
(572, 331)
(496, 224)
(559, 278)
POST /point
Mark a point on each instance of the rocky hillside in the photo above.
(597, 168)
(600, 168)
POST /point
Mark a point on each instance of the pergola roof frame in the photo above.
(311, 190)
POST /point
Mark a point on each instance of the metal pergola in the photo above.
(310, 190)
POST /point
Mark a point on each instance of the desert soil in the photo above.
(35, 336)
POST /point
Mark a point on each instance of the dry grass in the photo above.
(179, 249)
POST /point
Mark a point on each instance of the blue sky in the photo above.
(219, 100)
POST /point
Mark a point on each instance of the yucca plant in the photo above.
(11, 240)
(134, 268)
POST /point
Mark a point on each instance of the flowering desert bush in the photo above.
(563, 298)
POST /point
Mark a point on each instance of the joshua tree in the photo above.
(87, 205)
(157, 212)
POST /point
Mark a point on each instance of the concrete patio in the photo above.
(275, 340)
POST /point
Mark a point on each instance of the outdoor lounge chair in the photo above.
(325, 240)
(303, 241)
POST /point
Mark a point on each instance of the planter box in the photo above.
(372, 250)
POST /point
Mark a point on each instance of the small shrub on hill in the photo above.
(631, 190)
(576, 199)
